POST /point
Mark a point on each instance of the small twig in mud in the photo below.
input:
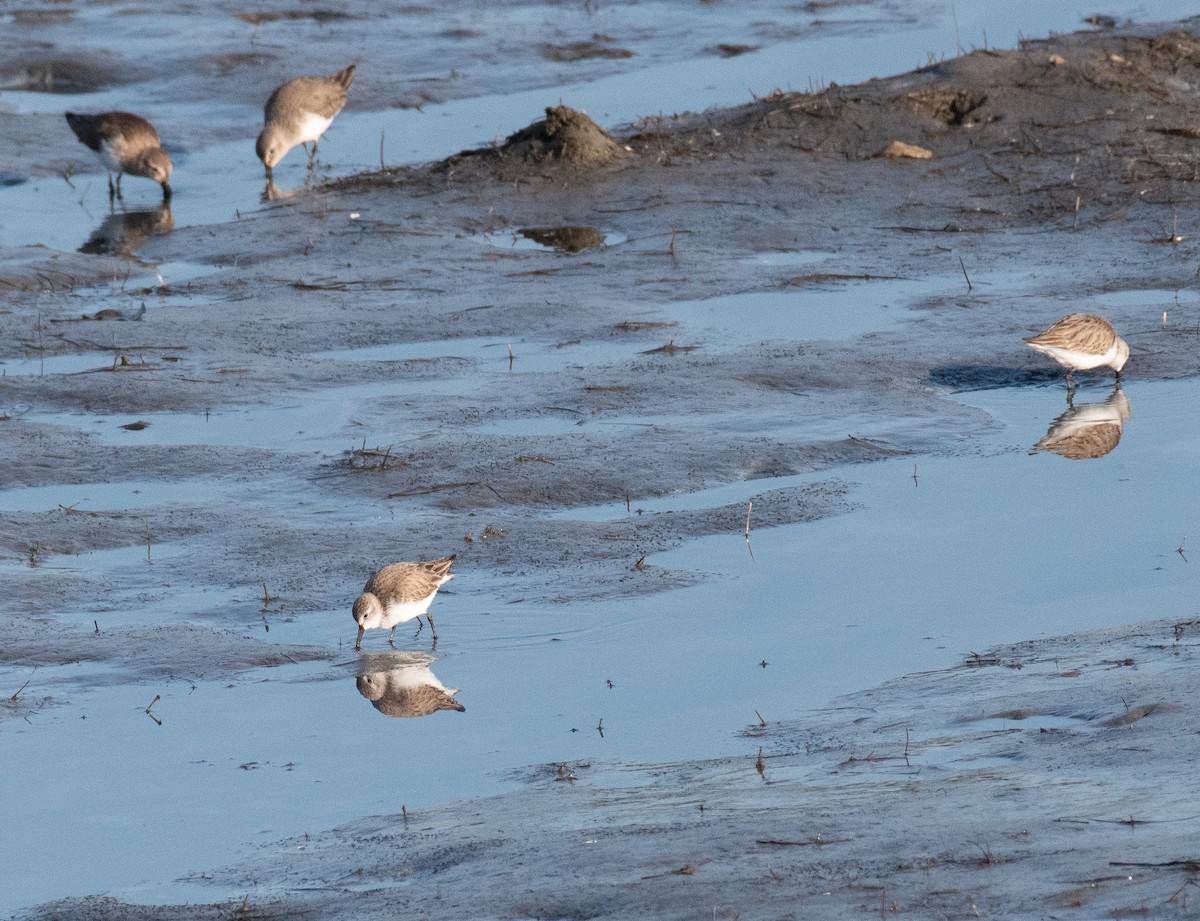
(510, 358)
(530, 458)
(963, 266)
(381, 166)
(17, 693)
(440, 487)
(759, 766)
(749, 508)
(671, 248)
(761, 721)
(670, 349)
(1179, 549)
(148, 537)
(628, 507)
(157, 698)
(641, 563)
(267, 597)
(987, 858)
(916, 482)
(636, 326)
(35, 551)
(96, 624)
(1075, 220)
(404, 812)
(600, 727)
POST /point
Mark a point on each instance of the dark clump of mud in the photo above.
(563, 136)
(567, 239)
(598, 46)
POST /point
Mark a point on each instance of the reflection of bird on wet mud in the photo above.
(400, 592)
(401, 684)
(123, 232)
(124, 143)
(1087, 430)
(1080, 342)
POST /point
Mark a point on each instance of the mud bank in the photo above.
(1037, 780)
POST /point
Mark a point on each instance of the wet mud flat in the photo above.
(1042, 779)
(578, 370)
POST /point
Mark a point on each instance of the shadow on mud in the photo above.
(963, 378)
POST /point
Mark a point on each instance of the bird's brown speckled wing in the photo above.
(1081, 332)
(409, 581)
(323, 95)
(124, 128)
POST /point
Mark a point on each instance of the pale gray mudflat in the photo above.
(323, 383)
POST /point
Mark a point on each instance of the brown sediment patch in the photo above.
(567, 239)
(83, 72)
(598, 46)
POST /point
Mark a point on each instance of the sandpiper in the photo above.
(400, 592)
(125, 143)
(300, 111)
(1082, 341)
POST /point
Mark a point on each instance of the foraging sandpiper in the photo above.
(1082, 341)
(400, 592)
(124, 143)
(300, 111)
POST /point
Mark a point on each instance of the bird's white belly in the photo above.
(107, 155)
(311, 127)
(1080, 361)
(397, 612)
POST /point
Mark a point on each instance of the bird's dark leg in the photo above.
(390, 635)
(420, 626)
(431, 626)
(119, 195)
(112, 190)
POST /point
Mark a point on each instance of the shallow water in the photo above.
(993, 545)
(686, 667)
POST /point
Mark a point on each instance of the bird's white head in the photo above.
(270, 147)
(155, 164)
(368, 612)
(1122, 355)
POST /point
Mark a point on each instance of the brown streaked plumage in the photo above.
(300, 111)
(1082, 341)
(124, 143)
(400, 592)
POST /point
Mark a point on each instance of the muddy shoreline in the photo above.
(614, 390)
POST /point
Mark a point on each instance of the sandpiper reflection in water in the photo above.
(1087, 430)
(123, 232)
(401, 684)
